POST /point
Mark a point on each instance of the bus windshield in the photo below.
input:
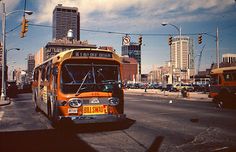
(77, 78)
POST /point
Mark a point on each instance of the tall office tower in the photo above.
(31, 64)
(133, 50)
(182, 56)
(64, 19)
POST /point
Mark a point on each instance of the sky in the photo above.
(140, 17)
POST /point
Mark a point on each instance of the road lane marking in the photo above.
(1, 115)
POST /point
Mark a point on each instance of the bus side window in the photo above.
(228, 77)
(48, 73)
(55, 71)
(43, 73)
(55, 74)
(234, 76)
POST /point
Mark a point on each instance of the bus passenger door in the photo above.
(42, 91)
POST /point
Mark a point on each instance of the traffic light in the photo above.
(199, 39)
(170, 40)
(24, 27)
(140, 40)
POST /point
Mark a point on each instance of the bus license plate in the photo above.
(72, 111)
(95, 110)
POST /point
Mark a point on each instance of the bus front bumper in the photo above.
(94, 119)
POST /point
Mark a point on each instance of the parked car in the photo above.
(201, 87)
(153, 86)
(169, 87)
(188, 87)
(197, 87)
(12, 89)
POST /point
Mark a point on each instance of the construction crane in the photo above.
(200, 58)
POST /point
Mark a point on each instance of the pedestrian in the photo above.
(145, 88)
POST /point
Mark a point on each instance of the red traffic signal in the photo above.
(170, 40)
(199, 39)
(140, 39)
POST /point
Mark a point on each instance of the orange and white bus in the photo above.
(82, 85)
(223, 84)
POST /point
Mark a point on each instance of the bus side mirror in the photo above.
(55, 71)
(120, 85)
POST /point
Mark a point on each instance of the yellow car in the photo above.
(188, 87)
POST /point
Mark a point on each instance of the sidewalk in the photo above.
(193, 96)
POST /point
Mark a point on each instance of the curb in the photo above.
(5, 102)
(170, 96)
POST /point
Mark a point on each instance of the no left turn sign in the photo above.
(126, 40)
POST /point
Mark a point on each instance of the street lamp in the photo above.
(179, 31)
(8, 50)
(4, 15)
(13, 49)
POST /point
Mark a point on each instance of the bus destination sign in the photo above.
(98, 54)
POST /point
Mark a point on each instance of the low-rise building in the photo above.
(130, 69)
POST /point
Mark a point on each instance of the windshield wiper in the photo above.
(85, 77)
(70, 74)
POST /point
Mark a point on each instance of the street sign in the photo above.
(126, 40)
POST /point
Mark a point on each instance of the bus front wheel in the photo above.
(224, 99)
(219, 101)
(53, 114)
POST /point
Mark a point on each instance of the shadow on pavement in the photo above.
(41, 141)
(156, 144)
(96, 127)
(63, 139)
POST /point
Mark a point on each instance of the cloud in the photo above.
(134, 14)
(10, 5)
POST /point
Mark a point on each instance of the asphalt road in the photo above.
(153, 124)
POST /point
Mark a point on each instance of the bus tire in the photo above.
(36, 108)
(218, 100)
(49, 109)
(223, 98)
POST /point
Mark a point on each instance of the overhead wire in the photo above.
(119, 33)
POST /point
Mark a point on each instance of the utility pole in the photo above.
(217, 48)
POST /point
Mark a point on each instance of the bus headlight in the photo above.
(113, 101)
(75, 102)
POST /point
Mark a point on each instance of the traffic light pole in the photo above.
(3, 100)
(3, 89)
(217, 48)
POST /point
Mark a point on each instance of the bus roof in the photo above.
(69, 53)
(221, 70)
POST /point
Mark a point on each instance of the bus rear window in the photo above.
(230, 76)
(214, 79)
